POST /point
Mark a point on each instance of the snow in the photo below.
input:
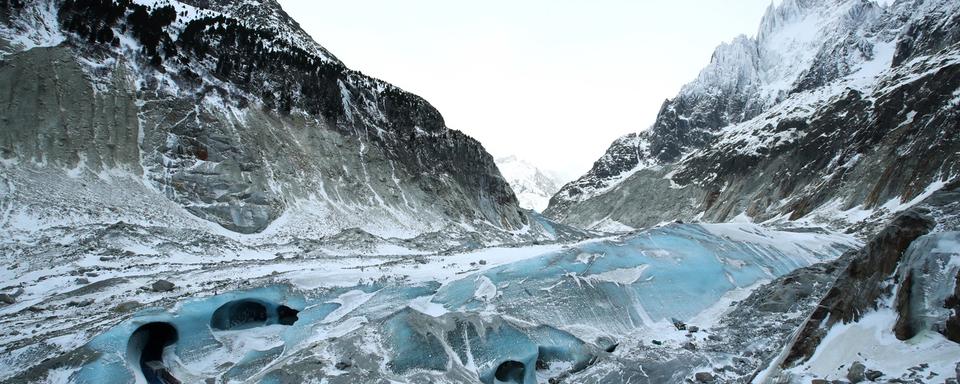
(38, 28)
(486, 290)
(348, 302)
(795, 243)
(872, 342)
(533, 186)
(622, 276)
(609, 225)
(897, 204)
(426, 306)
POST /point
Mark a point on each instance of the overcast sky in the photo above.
(553, 82)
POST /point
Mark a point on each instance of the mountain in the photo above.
(196, 191)
(533, 186)
(838, 112)
(169, 111)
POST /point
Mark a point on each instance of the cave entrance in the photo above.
(287, 315)
(239, 314)
(510, 372)
(146, 346)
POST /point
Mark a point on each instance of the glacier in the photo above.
(511, 320)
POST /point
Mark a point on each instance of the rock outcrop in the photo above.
(908, 260)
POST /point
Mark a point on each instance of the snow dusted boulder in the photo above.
(930, 287)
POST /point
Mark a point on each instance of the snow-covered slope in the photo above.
(533, 186)
(838, 111)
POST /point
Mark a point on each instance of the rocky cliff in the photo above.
(230, 110)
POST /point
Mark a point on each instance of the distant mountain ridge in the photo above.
(533, 186)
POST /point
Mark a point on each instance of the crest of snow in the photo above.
(609, 225)
(348, 302)
(486, 290)
(425, 306)
(805, 244)
(622, 276)
(897, 205)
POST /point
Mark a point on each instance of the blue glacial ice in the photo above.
(508, 323)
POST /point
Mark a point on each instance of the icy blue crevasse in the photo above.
(617, 286)
(497, 350)
(304, 313)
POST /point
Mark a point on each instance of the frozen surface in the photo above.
(493, 315)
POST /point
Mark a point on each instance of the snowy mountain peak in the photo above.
(814, 65)
(532, 185)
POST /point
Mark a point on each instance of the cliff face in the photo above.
(839, 112)
(230, 110)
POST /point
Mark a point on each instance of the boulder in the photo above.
(126, 306)
(704, 377)
(856, 373)
(162, 286)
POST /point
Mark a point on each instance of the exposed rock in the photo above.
(7, 299)
(127, 306)
(81, 303)
(704, 377)
(856, 372)
(162, 286)
(861, 283)
(873, 375)
(952, 324)
(693, 328)
(929, 287)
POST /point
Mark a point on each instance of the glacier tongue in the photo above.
(511, 320)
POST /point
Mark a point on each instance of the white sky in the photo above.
(553, 82)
